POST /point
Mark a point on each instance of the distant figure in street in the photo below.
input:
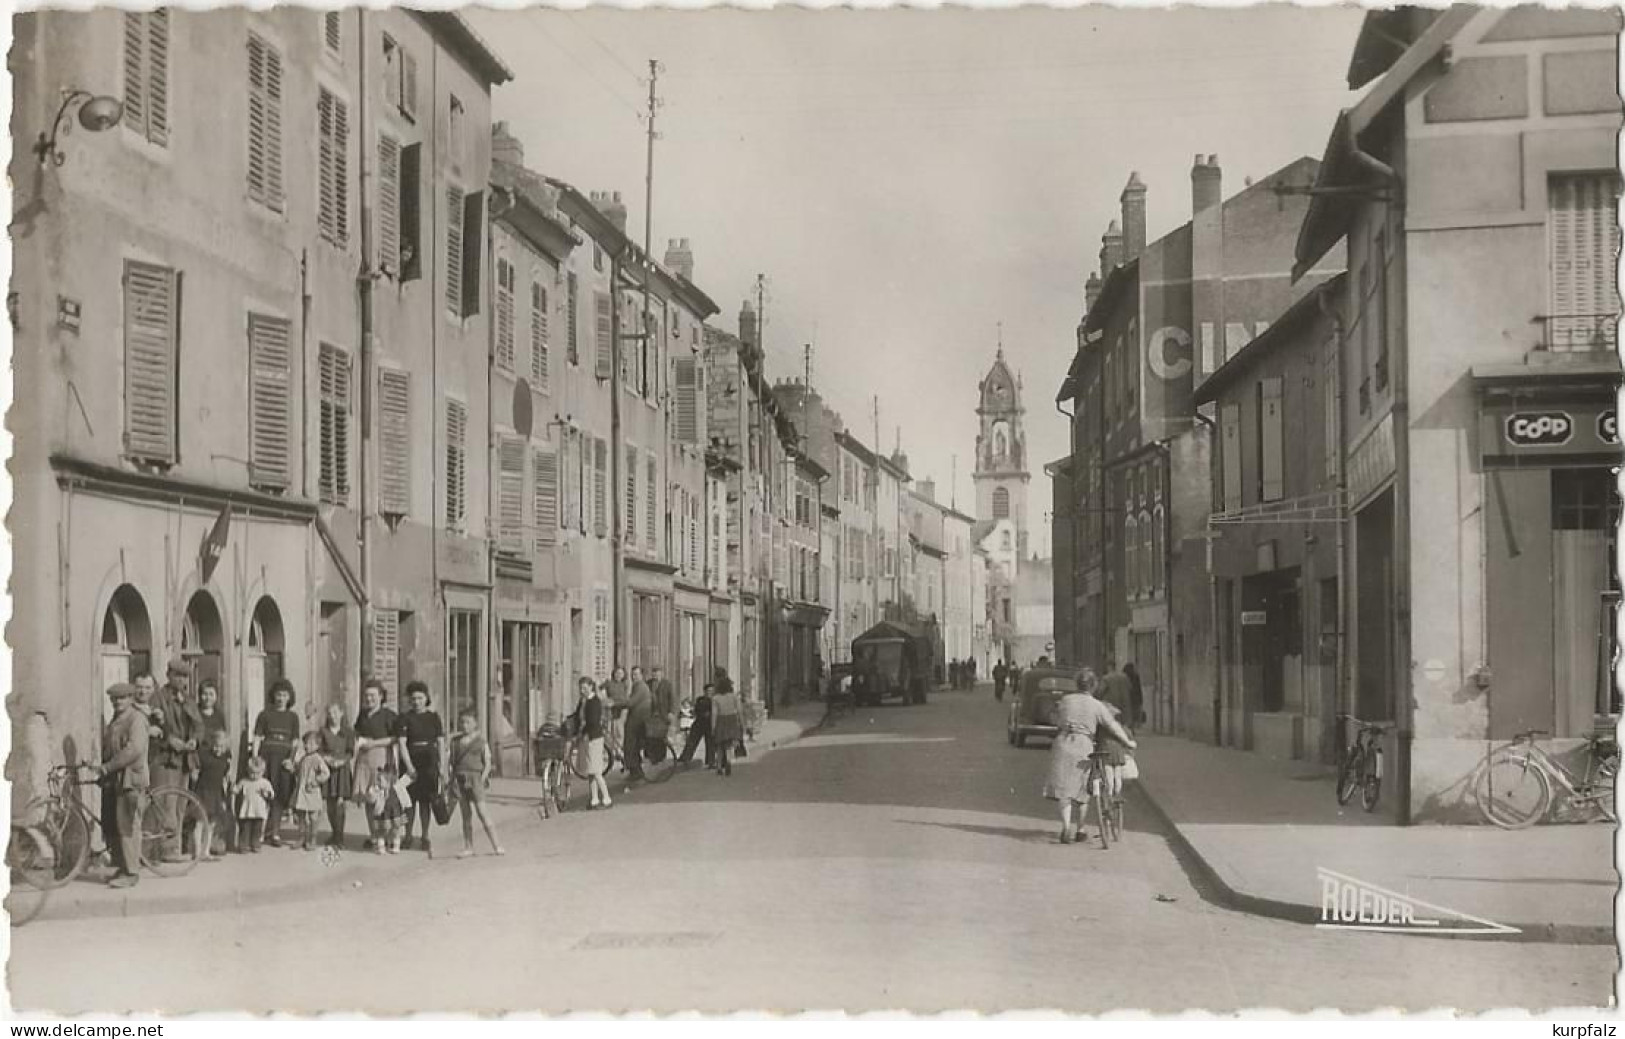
(213, 789)
(376, 768)
(1012, 676)
(589, 730)
(310, 781)
(1079, 717)
(124, 780)
(1136, 695)
(471, 774)
(337, 744)
(638, 703)
(615, 694)
(423, 740)
(971, 663)
(1000, 673)
(699, 730)
(662, 712)
(276, 737)
(255, 796)
(727, 727)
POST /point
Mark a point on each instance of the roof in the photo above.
(1331, 205)
(891, 630)
(808, 463)
(853, 444)
(1280, 333)
(1095, 320)
(461, 39)
(535, 211)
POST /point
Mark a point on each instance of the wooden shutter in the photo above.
(545, 497)
(394, 441)
(473, 237)
(411, 258)
(334, 378)
(151, 362)
(333, 31)
(270, 407)
(386, 647)
(688, 415)
(538, 337)
(1584, 246)
(600, 489)
(1230, 455)
(1271, 447)
(388, 249)
(630, 533)
(409, 85)
(333, 129)
(158, 77)
(572, 328)
(456, 430)
(651, 507)
(392, 72)
(511, 493)
(264, 123)
(135, 72)
(603, 305)
(505, 344)
(454, 250)
(695, 525)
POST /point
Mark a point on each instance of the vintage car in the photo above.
(1032, 708)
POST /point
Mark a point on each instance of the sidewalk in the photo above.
(1259, 829)
(278, 876)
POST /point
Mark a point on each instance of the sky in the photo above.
(915, 185)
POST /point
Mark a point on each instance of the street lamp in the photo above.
(97, 112)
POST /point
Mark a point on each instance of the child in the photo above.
(471, 771)
(253, 805)
(309, 788)
(214, 790)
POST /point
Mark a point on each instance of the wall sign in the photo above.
(1254, 618)
(1526, 433)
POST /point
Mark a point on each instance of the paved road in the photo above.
(901, 859)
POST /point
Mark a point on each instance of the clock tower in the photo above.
(1001, 474)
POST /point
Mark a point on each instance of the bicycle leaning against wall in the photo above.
(1513, 787)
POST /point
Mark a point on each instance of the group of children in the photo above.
(238, 810)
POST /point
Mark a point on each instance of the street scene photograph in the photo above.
(634, 511)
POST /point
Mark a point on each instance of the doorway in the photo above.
(1374, 609)
(126, 644)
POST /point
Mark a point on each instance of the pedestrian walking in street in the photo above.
(255, 796)
(377, 767)
(276, 737)
(423, 739)
(173, 757)
(1136, 696)
(727, 727)
(971, 662)
(310, 785)
(662, 713)
(1117, 694)
(1079, 719)
(336, 742)
(699, 730)
(124, 780)
(639, 702)
(213, 788)
(1000, 673)
(471, 775)
(588, 725)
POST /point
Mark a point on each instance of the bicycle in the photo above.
(1362, 764)
(32, 863)
(556, 754)
(1108, 818)
(173, 829)
(663, 764)
(1513, 788)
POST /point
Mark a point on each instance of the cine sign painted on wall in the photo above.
(1522, 435)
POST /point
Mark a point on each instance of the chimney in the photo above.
(1111, 249)
(1207, 266)
(1091, 291)
(747, 324)
(927, 489)
(609, 203)
(505, 147)
(679, 258)
(1133, 202)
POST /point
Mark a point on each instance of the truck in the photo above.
(892, 660)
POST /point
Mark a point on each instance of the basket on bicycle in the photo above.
(552, 747)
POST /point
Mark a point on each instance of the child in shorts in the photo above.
(471, 772)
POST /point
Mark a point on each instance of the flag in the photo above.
(214, 545)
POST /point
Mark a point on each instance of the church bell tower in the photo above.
(1001, 474)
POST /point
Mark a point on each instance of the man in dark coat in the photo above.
(662, 711)
(639, 702)
(124, 780)
(699, 730)
(1000, 673)
(174, 757)
(1136, 694)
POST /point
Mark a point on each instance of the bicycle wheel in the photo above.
(1117, 819)
(174, 832)
(1348, 777)
(1371, 782)
(1101, 813)
(1602, 787)
(68, 832)
(31, 858)
(1513, 791)
(663, 769)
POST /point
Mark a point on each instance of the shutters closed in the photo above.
(1584, 245)
(456, 472)
(388, 250)
(600, 488)
(333, 370)
(394, 441)
(688, 412)
(539, 373)
(545, 497)
(454, 250)
(1271, 457)
(651, 505)
(386, 647)
(473, 250)
(1230, 455)
(511, 493)
(333, 31)
(270, 405)
(603, 329)
(505, 346)
(333, 153)
(146, 75)
(696, 525)
(409, 85)
(151, 362)
(572, 328)
(264, 123)
(630, 533)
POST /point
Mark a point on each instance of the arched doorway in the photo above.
(203, 643)
(263, 663)
(126, 642)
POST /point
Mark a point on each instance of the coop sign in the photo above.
(1539, 429)
(1580, 433)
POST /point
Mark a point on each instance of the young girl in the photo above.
(471, 770)
(310, 782)
(254, 796)
(213, 788)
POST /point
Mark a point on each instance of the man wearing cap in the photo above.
(174, 756)
(124, 780)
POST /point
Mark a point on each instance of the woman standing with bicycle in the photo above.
(1078, 719)
(592, 761)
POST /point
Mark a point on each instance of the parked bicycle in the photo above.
(32, 863)
(173, 827)
(1513, 787)
(1362, 763)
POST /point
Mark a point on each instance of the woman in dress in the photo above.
(1079, 717)
(276, 737)
(592, 762)
(375, 769)
(336, 743)
(727, 727)
(423, 740)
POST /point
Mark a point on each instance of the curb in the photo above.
(1302, 913)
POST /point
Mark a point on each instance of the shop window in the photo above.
(1584, 499)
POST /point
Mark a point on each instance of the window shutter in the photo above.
(392, 72)
(511, 493)
(333, 31)
(341, 171)
(545, 497)
(454, 250)
(1230, 455)
(151, 368)
(1270, 444)
(333, 128)
(600, 490)
(394, 441)
(631, 531)
(334, 377)
(158, 76)
(264, 123)
(388, 250)
(411, 232)
(341, 389)
(538, 336)
(606, 349)
(456, 428)
(688, 425)
(651, 505)
(135, 71)
(270, 407)
(386, 647)
(505, 344)
(473, 236)
(695, 524)
(572, 328)
(409, 85)
(1584, 246)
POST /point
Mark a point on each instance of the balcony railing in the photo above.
(1579, 333)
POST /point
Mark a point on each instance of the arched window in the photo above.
(264, 658)
(1148, 573)
(1131, 555)
(126, 642)
(1001, 442)
(1001, 503)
